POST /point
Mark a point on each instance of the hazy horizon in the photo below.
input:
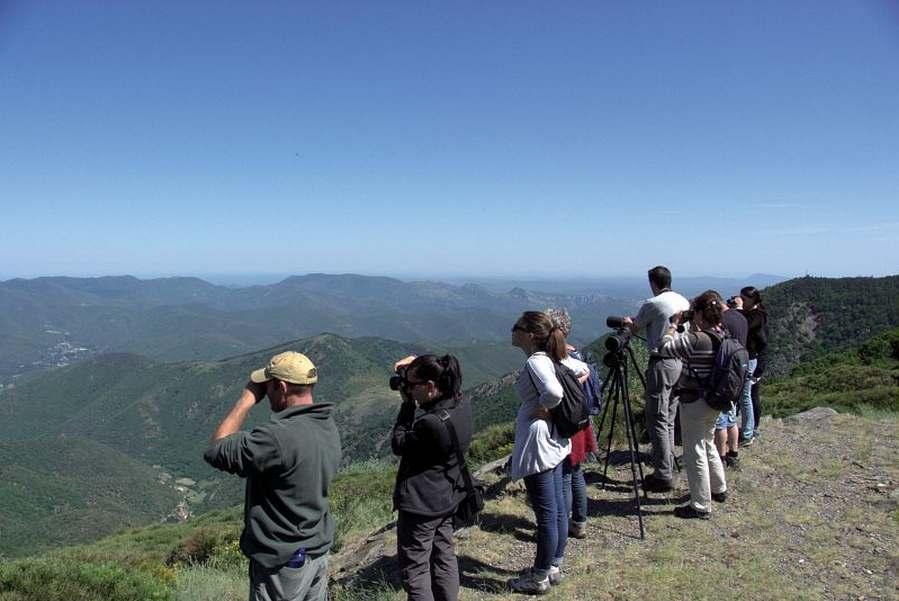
(261, 278)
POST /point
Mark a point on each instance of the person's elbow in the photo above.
(397, 443)
(212, 456)
(551, 397)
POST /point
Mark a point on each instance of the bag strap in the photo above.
(552, 424)
(466, 475)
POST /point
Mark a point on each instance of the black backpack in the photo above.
(724, 385)
(572, 414)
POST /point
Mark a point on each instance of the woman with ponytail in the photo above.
(697, 348)
(574, 485)
(429, 482)
(749, 303)
(539, 450)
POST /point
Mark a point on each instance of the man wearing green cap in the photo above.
(289, 463)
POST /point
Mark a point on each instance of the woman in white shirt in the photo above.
(539, 450)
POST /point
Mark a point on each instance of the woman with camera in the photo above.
(705, 473)
(429, 482)
(749, 303)
(539, 450)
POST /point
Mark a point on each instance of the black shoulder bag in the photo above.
(468, 509)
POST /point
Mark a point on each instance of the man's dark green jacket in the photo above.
(289, 464)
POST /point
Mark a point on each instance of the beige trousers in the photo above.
(705, 474)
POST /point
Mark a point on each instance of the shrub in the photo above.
(52, 580)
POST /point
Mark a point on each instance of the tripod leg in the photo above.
(633, 437)
(605, 409)
(634, 451)
(616, 383)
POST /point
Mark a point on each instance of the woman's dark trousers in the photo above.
(427, 557)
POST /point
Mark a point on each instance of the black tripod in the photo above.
(617, 392)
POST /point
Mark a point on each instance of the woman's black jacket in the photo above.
(757, 338)
(429, 481)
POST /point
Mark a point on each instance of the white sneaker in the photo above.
(530, 582)
(555, 575)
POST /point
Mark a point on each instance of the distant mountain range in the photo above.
(125, 411)
(55, 321)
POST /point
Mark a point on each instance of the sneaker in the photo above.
(653, 484)
(719, 497)
(577, 529)
(688, 512)
(530, 582)
(746, 442)
(731, 462)
(555, 575)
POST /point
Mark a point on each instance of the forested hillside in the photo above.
(56, 491)
(141, 412)
(859, 380)
(810, 316)
(823, 499)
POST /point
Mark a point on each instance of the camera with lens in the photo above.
(398, 380)
(679, 319)
(732, 302)
(616, 342)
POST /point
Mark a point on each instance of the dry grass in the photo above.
(812, 515)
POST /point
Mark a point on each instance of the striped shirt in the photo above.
(697, 351)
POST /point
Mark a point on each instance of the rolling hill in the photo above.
(59, 490)
(811, 316)
(55, 321)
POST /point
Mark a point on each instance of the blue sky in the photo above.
(419, 138)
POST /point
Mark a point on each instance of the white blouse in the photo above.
(538, 447)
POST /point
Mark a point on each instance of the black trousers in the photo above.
(427, 557)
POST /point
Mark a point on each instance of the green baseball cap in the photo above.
(290, 366)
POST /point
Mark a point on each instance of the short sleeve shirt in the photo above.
(655, 314)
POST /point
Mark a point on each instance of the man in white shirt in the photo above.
(661, 376)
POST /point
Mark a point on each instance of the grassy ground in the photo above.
(812, 515)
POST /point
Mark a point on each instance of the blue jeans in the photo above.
(746, 402)
(574, 487)
(548, 501)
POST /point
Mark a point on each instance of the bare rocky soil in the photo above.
(813, 513)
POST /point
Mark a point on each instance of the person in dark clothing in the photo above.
(749, 303)
(727, 434)
(429, 482)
